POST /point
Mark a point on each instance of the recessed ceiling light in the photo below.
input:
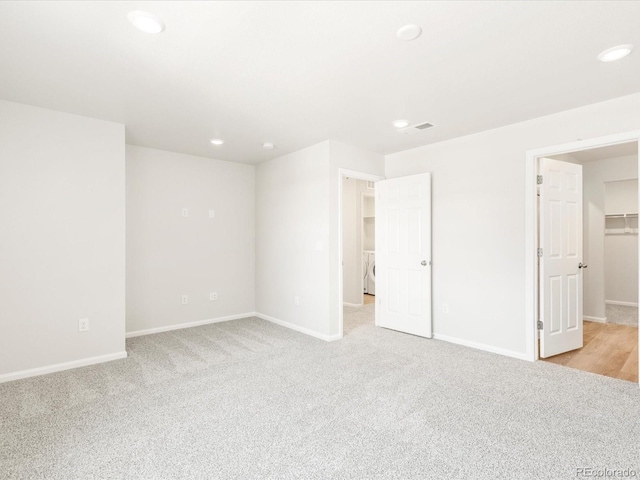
(615, 53)
(217, 141)
(145, 22)
(400, 124)
(409, 32)
(268, 146)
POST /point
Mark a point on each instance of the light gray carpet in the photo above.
(622, 315)
(250, 400)
(356, 317)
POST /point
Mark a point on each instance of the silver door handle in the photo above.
(582, 266)
(424, 263)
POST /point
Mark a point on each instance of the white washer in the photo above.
(371, 274)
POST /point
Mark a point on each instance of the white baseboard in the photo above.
(179, 326)
(59, 367)
(624, 304)
(482, 346)
(347, 304)
(594, 319)
(307, 331)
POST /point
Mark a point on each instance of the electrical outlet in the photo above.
(212, 214)
(213, 296)
(296, 301)
(83, 325)
(185, 299)
(185, 212)
(445, 308)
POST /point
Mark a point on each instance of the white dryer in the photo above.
(365, 271)
(370, 275)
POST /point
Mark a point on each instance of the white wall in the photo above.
(292, 231)
(62, 246)
(621, 196)
(369, 221)
(169, 255)
(298, 234)
(595, 175)
(621, 250)
(621, 269)
(351, 242)
(353, 239)
(479, 218)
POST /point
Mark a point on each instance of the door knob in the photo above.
(582, 266)
(423, 263)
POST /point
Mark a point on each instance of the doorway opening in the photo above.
(586, 247)
(358, 253)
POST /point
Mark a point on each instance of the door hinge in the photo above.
(539, 252)
(540, 324)
(539, 179)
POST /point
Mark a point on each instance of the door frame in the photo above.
(531, 224)
(342, 173)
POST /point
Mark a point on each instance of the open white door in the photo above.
(561, 257)
(403, 254)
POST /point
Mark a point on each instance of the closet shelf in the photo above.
(612, 231)
(621, 224)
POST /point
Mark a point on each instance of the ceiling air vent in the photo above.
(415, 128)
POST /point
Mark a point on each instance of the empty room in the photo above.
(319, 240)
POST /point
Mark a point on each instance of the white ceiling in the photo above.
(297, 73)
(604, 153)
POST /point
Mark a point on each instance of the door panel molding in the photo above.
(561, 241)
(403, 254)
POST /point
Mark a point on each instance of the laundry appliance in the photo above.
(369, 268)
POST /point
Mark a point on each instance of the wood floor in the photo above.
(368, 299)
(609, 349)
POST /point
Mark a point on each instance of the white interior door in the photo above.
(561, 261)
(403, 254)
